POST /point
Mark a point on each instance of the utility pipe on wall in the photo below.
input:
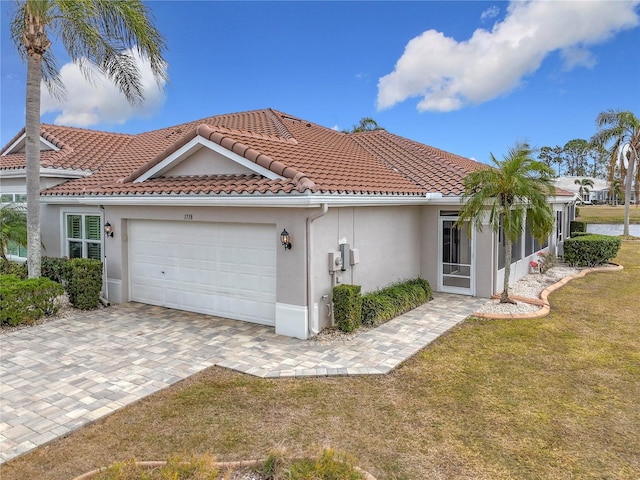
(312, 319)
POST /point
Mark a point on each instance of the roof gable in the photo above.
(19, 144)
(199, 157)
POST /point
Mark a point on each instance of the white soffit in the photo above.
(193, 146)
(20, 143)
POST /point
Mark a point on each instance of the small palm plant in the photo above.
(13, 227)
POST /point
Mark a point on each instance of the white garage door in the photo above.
(223, 269)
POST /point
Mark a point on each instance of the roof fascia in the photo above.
(46, 172)
(262, 200)
(21, 140)
(194, 145)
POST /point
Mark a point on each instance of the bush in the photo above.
(590, 250)
(577, 227)
(396, 299)
(83, 277)
(26, 300)
(13, 268)
(376, 309)
(347, 307)
(547, 260)
(53, 268)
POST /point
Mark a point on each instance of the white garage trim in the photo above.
(222, 269)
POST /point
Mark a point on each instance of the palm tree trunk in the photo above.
(504, 297)
(627, 193)
(34, 76)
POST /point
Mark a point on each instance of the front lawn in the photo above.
(607, 214)
(555, 397)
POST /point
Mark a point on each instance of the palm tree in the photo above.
(622, 129)
(583, 184)
(13, 228)
(94, 33)
(515, 189)
(366, 124)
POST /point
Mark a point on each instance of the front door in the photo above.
(456, 256)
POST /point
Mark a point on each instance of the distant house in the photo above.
(600, 193)
(256, 215)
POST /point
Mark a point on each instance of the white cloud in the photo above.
(448, 74)
(489, 13)
(97, 101)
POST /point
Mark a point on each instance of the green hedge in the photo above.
(347, 307)
(53, 268)
(394, 300)
(26, 300)
(590, 250)
(83, 278)
(576, 226)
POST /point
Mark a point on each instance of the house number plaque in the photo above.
(188, 216)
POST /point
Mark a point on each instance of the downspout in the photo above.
(312, 326)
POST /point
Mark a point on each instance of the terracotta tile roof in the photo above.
(433, 169)
(309, 157)
(80, 149)
(564, 193)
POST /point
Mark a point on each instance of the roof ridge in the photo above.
(250, 134)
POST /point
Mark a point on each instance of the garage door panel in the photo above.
(214, 268)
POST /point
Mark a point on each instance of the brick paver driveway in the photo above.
(63, 374)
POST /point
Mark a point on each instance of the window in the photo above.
(84, 236)
(13, 249)
(559, 226)
(13, 198)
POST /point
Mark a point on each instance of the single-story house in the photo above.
(256, 215)
(600, 193)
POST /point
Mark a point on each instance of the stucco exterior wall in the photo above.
(388, 241)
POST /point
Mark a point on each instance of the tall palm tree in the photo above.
(583, 186)
(13, 228)
(515, 189)
(94, 33)
(621, 128)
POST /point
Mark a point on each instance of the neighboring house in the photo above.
(196, 212)
(600, 193)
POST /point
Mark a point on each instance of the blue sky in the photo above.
(468, 77)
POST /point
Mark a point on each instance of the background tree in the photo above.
(620, 128)
(13, 228)
(583, 186)
(575, 157)
(366, 124)
(515, 190)
(95, 34)
(552, 156)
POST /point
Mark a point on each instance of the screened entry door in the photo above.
(456, 257)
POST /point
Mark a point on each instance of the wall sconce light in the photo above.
(108, 229)
(285, 239)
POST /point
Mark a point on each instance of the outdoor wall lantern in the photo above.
(285, 239)
(108, 229)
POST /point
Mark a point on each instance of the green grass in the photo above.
(555, 397)
(608, 214)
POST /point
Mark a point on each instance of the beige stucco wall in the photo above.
(388, 240)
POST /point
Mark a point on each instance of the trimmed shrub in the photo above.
(376, 309)
(396, 299)
(577, 227)
(590, 250)
(26, 300)
(8, 267)
(53, 268)
(83, 277)
(347, 307)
